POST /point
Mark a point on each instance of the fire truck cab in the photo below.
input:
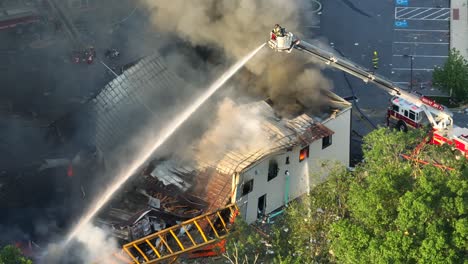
(416, 113)
(403, 114)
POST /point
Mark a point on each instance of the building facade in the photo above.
(289, 173)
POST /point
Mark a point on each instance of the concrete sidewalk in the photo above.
(459, 26)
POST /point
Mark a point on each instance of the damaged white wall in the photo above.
(302, 175)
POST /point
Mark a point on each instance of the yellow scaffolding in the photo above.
(185, 237)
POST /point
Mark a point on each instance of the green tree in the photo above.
(12, 255)
(453, 76)
(401, 211)
(389, 210)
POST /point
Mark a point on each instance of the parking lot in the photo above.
(420, 40)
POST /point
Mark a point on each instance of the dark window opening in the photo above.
(287, 160)
(396, 108)
(261, 207)
(247, 187)
(304, 153)
(406, 113)
(412, 115)
(272, 170)
(326, 141)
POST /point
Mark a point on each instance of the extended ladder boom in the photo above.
(288, 42)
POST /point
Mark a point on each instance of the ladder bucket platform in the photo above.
(192, 235)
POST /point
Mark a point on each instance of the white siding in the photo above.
(298, 171)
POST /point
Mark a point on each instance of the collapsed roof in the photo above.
(129, 100)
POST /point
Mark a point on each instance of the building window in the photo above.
(326, 141)
(287, 160)
(247, 187)
(304, 153)
(272, 170)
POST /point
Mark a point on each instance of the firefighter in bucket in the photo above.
(279, 31)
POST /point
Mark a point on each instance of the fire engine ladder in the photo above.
(167, 244)
(364, 74)
(351, 68)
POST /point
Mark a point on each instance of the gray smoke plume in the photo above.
(235, 128)
(237, 26)
(92, 245)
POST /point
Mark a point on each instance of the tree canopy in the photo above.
(11, 254)
(453, 76)
(389, 210)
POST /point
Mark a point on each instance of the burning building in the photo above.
(267, 179)
(259, 177)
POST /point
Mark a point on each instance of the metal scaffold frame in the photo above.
(169, 243)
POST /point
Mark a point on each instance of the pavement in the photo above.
(459, 26)
(420, 41)
(420, 28)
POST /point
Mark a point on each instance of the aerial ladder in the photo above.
(439, 117)
(201, 236)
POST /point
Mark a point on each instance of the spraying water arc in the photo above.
(166, 132)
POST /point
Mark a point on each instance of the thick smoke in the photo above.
(236, 128)
(93, 245)
(238, 26)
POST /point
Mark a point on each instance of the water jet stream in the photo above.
(146, 153)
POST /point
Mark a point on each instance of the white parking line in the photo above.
(448, 13)
(409, 69)
(421, 43)
(444, 11)
(419, 13)
(422, 13)
(424, 30)
(421, 56)
(411, 11)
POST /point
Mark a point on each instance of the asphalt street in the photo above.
(356, 29)
(360, 27)
(420, 41)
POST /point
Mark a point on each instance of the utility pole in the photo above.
(411, 68)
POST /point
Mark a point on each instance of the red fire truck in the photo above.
(14, 17)
(406, 109)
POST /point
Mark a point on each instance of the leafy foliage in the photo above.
(11, 254)
(402, 212)
(453, 76)
(389, 210)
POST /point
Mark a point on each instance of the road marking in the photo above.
(448, 13)
(409, 69)
(401, 2)
(445, 14)
(425, 30)
(411, 11)
(401, 24)
(421, 43)
(422, 56)
(421, 13)
(424, 11)
(401, 82)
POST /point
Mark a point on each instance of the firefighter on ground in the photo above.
(375, 61)
(278, 31)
